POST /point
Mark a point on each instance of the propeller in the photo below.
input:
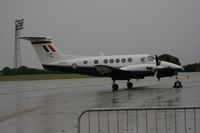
(157, 68)
(157, 61)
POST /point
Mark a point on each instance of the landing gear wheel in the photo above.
(177, 84)
(115, 87)
(129, 85)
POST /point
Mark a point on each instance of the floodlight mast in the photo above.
(17, 51)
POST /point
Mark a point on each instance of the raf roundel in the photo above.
(74, 66)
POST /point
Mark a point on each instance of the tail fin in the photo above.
(45, 49)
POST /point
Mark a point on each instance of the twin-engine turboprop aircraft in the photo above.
(119, 67)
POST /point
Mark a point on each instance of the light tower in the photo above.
(17, 52)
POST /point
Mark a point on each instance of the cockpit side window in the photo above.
(150, 58)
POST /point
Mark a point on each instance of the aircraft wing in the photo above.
(109, 71)
(128, 72)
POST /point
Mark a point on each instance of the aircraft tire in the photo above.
(115, 87)
(177, 84)
(129, 85)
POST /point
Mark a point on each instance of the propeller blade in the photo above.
(157, 61)
(158, 67)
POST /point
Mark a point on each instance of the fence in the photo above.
(142, 120)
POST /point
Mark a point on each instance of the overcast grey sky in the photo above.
(87, 27)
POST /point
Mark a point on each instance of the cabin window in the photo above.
(129, 59)
(123, 60)
(117, 60)
(105, 61)
(96, 61)
(85, 62)
(111, 60)
(142, 59)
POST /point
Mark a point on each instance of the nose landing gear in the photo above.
(177, 84)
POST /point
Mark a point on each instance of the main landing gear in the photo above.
(129, 84)
(116, 86)
(177, 83)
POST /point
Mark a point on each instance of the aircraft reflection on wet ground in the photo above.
(53, 106)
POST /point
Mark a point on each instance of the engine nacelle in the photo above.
(140, 67)
(166, 73)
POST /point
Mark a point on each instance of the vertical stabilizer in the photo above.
(45, 49)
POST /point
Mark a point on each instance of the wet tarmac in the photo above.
(53, 106)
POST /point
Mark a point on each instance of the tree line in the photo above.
(192, 67)
(23, 70)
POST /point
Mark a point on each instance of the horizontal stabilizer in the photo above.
(37, 39)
